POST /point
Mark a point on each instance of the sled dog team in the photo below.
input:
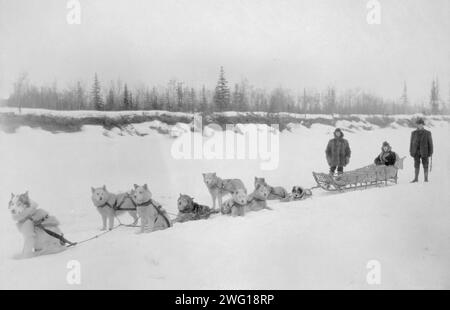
(42, 234)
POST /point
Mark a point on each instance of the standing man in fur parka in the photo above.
(421, 148)
(338, 152)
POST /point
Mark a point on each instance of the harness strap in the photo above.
(115, 206)
(118, 207)
(108, 204)
(157, 208)
(55, 235)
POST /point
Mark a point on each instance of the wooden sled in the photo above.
(371, 175)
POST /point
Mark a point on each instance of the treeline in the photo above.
(177, 96)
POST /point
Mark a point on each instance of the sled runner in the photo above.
(371, 175)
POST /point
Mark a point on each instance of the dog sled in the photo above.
(371, 175)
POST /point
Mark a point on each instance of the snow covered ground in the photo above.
(322, 242)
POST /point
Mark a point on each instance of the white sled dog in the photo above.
(32, 223)
(235, 206)
(240, 203)
(110, 205)
(218, 187)
(153, 216)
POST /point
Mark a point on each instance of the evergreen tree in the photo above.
(404, 101)
(434, 98)
(193, 101)
(131, 100)
(110, 100)
(80, 97)
(204, 101)
(126, 98)
(180, 97)
(154, 99)
(97, 100)
(330, 100)
(222, 93)
(235, 99)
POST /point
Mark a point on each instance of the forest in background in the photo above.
(179, 97)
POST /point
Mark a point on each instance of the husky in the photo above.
(236, 204)
(33, 223)
(257, 200)
(276, 192)
(218, 187)
(153, 216)
(110, 205)
(298, 193)
(189, 210)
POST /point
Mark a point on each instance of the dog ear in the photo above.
(135, 186)
(26, 194)
(12, 195)
(92, 189)
(145, 186)
(104, 187)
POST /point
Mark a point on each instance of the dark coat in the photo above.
(386, 158)
(421, 143)
(338, 152)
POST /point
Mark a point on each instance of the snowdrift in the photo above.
(163, 121)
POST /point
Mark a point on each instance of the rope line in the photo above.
(105, 232)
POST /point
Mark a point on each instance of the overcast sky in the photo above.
(294, 44)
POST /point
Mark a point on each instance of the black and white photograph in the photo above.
(257, 145)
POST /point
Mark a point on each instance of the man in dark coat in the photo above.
(387, 157)
(421, 148)
(338, 152)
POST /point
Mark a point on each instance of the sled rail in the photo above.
(360, 178)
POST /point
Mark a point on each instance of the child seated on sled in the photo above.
(387, 157)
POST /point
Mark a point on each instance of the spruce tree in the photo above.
(97, 100)
(434, 98)
(110, 100)
(80, 96)
(204, 101)
(222, 93)
(404, 101)
(126, 98)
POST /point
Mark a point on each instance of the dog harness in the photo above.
(115, 206)
(157, 207)
(39, 224)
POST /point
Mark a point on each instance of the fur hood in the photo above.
(338, 130)
(385, 143)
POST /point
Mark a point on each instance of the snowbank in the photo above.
(164, 121)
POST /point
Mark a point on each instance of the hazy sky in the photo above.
(272, 43)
